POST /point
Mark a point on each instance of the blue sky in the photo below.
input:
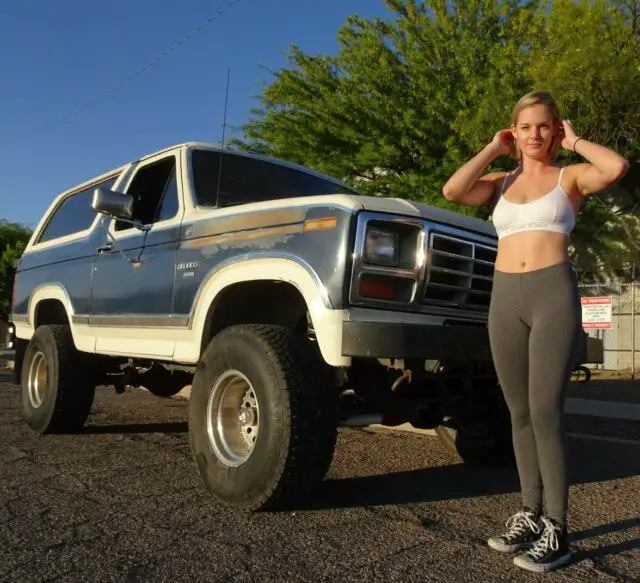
(58, 57)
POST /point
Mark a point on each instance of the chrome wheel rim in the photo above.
(37, 380)
(233, 418)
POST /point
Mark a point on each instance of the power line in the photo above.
(164, 54)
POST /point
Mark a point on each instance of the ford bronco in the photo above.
(291, 305)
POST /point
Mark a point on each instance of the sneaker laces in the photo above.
(548, 541)
(519, 523)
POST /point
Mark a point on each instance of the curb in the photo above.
(605, 449)
(404, 428)
(603, 409)
(185, 393)
(601, 446)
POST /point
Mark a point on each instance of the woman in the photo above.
(535, 314)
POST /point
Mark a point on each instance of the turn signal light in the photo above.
(377, 290)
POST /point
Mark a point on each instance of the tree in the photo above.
(13, 239)
(384, 114)
(586, 54)
(407, 100)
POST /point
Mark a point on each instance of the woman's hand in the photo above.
(569, 135)
(501, 143)
(603, 166)
(467, 186)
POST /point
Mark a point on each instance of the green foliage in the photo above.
(406, 100)
(13, 239)
(586, 54)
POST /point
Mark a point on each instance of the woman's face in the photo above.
(535, 131)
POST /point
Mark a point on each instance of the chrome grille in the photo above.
(459, 273)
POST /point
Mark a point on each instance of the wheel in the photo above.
(474, 449)
(262, 417)
(480, 433)
(57, 389)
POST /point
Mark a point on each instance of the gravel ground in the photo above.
(123, 502)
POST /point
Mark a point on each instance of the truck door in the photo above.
(133, 279)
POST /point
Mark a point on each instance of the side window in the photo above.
(74, 214)
(246, 179)
(147, 188)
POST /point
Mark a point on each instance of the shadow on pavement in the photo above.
(171, 427)
(443, 483)
(414, 486)
(606, 550)
(615, 549)
(606, 529)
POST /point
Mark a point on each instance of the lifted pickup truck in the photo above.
(289, 302)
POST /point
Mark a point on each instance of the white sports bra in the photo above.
(551, 212)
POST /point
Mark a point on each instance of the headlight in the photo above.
(381, 247)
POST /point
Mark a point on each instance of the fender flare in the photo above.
(326, 321)
(49, 291)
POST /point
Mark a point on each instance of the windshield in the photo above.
(246, 180)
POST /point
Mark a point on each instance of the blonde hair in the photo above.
(529, 100)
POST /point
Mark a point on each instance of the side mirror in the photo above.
(112, 203)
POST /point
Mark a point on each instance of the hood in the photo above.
(355, 202)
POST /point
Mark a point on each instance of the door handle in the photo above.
(104, 248)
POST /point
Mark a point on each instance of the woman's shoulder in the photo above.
(571, 174)
(575, 169)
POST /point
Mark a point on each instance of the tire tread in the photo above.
(309, 415)
(74, 392)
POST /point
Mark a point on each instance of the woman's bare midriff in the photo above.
(531, 250)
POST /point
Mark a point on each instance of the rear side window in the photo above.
(74, 214)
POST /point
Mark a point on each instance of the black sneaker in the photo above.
(550, 551)
(524, 529)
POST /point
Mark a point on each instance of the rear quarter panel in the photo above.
(68, 265)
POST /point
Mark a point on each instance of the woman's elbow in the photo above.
(623, 167)
(449, 193)
(617, 170)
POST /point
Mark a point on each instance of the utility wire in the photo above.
(148, 66)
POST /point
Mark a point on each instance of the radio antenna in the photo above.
(224, 127)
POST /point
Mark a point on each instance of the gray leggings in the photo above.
(534, 329)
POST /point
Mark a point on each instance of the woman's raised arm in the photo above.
(467, 186)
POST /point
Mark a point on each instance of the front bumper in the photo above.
(419, 341)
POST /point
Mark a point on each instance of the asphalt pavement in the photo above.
(123, 502)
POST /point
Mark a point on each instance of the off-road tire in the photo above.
(475, 450)
(297, 417)
(487, 443)
(69, 391)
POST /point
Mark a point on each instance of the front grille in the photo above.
(459, 273)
